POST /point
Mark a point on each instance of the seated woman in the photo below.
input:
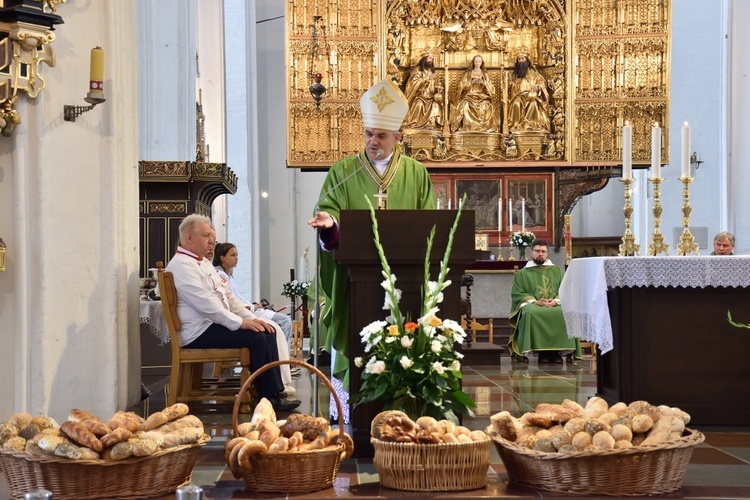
(225, 259)
(473, 109)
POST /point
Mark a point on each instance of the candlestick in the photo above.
(656, 152)
(687, 244)
(523, 215)
(627, 151)
(628, 246)
(568, 237)
(96, 71)
(657, 245)
(685, 171)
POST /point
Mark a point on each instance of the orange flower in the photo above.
(410, 327)
(393, 330)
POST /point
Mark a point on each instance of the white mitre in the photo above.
(384, 106)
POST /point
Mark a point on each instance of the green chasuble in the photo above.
(407, 186)
(536, 328)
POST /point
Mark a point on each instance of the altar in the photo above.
(661, 324)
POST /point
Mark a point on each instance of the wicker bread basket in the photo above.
(432, 467)
(144, 477)
(638, 471)
(291, 472)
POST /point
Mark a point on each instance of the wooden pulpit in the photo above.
(403, 234)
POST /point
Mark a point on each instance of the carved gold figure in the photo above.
(528, 99)
(424, 92)
(473, 109)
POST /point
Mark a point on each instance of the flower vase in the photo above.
(521, 253)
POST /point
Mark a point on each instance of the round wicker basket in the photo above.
(638, 471)
(432, 467)
(291, 472)
(146, 477)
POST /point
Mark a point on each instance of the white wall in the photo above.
(69, 215)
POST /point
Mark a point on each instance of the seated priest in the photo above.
(536, 318)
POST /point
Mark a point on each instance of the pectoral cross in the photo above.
(382, 200)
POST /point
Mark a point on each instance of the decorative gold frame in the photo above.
(604, 62)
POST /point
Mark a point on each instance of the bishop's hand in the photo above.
(322, 220)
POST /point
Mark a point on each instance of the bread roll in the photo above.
(7, 431)
(20, 420)
(127, 419)
(68, 450)
(144, 447)
(249, 449)
(121, 451)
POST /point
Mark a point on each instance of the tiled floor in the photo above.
(719, 468)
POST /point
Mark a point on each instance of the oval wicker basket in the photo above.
(291, 472)
(145, 477)
(432, 467)
(638, 471)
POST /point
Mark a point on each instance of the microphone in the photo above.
(339, 183)
(379, 153)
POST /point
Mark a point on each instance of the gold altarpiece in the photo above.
(601, 63)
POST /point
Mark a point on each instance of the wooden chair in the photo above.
(186, 382)
(591, 347)
(296, 349)
(473, 326)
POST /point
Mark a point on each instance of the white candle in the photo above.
(510, 215)
(656, 151)
(523, 215)
(685, 151)
(627, 151)
(438, 204)
(449, 203)
(499, 214)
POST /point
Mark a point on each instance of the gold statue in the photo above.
(424, 92)
(529, 97)
(473, 108)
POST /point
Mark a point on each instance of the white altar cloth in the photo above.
(583, 292)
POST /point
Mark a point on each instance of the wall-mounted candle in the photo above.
(685, 171)
(510, 215)
(96, 71)
(627, 151)
(523, 215)
(656, 151)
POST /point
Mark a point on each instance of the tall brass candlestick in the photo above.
(510, 241)
(657, 245)
(628, 246)
(687, 244)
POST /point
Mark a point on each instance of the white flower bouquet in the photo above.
(295, 288)
(522, 239)
(413, 366)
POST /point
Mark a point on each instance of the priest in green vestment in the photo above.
(536, 318)
(380, 173)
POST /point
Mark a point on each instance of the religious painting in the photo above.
(481, 242)
(529, 204)
(442, 189)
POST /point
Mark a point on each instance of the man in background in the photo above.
(723, 244)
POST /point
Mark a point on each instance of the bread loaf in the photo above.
(116, 436)
(155, 420)
(79, 434)
(177, 410)
(127, 419)
(144, 447)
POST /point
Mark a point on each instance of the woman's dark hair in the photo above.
(220, 251)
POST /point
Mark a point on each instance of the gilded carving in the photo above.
(618, 70)
(166, 207)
